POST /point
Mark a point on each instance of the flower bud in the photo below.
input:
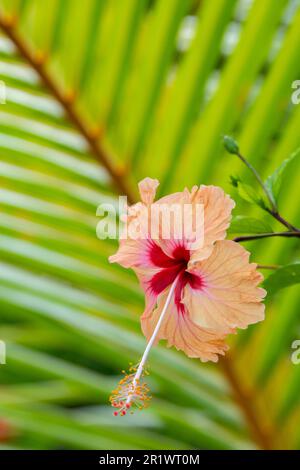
(230, 144)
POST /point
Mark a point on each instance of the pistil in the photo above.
(130, 390)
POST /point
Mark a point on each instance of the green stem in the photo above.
(274, 210)
(268, 266)
(258, 236)
(284, 222)
(260, 181)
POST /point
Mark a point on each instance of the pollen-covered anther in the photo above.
(131, 393)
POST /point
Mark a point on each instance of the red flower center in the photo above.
(172, 267)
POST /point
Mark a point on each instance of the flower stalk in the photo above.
(258, 236)
(232, 147)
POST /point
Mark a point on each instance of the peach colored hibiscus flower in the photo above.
(195, 295)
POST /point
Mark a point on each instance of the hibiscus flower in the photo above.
(196, 293)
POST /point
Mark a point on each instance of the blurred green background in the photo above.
(100, 94)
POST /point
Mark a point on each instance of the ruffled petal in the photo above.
(147, 188)
(180, 331)
(132, 253)
(217, 216)
(199, 233)
(229, 297)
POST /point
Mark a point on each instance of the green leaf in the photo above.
(275, 181)
(249, 194)
(283, 277)
(246, 224)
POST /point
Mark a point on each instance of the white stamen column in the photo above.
(152, 339)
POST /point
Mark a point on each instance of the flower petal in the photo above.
(229, 297)
(132, 253)
(147, 188)
(217, 208)
(144, 253)
(217, 215)
(180, 331)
